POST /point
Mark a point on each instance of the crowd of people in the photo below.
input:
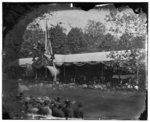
(101, 82)
(45, 106)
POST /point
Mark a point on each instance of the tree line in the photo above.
(92, 39)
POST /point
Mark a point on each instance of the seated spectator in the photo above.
(6, 115)
(78, 112)
(68, 111)
(57, 101)
(45, 110)
(57, 111)
(19, 96)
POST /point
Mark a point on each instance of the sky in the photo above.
(72, 18)
(79, 18)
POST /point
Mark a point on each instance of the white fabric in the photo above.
(91, 58)
(85, 57)
(123, 76)
(54, 72)
(73, 58)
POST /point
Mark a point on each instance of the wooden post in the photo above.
(99, 73)
(45, 72)
(75, 74)
(137, 75)
(64, 74)
(102, 73)
(55, 75)
(46, 38)
(118, 74)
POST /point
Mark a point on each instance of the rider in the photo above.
(34, 51)
(38, 50)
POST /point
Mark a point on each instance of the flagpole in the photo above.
(46, 39)
(48, 43)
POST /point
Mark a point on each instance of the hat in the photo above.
(46, 98)
(27, 98)
(67, 101)
(39, 100)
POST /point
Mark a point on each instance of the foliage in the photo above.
(132, 60)
(58, 39)
(75, 40)
(132, 42)
(127, 41)
(128, 59)
(14, 38)
(127, 22)
(94, 28)
(26, 49)
(31, 37)
(108, 43)
(94, 35)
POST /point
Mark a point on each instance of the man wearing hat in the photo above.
(68, 111)
(78, 112)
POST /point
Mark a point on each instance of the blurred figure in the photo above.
(78, 112)
(26, 103)
(20, 96)
(34, 52)
(57, 111)
(45, 110)
(5, 113)
(68, 111)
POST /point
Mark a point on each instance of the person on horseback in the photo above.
(38, 50)
(34, 52)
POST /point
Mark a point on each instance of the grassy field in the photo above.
(96, 104)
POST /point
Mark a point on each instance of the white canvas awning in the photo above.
(95, 57)
(81, 58)
(73, 58)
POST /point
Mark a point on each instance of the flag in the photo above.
(46, 38)
(48, 46)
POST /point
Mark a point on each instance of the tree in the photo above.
(94, 28)
(125, 42)
(31, 37)
(58, 39)
(108, 43)
(94, 35)
(132, 57)
(139, 42)
(75, 40)
(12, 41)
(127, 22)
(133, 31)
(26, 49)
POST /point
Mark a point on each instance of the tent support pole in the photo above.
(100, 72)
(137, 75)
(55, 76)
(119, 74)
(45, 72)
(64, 74)
(75, 74)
